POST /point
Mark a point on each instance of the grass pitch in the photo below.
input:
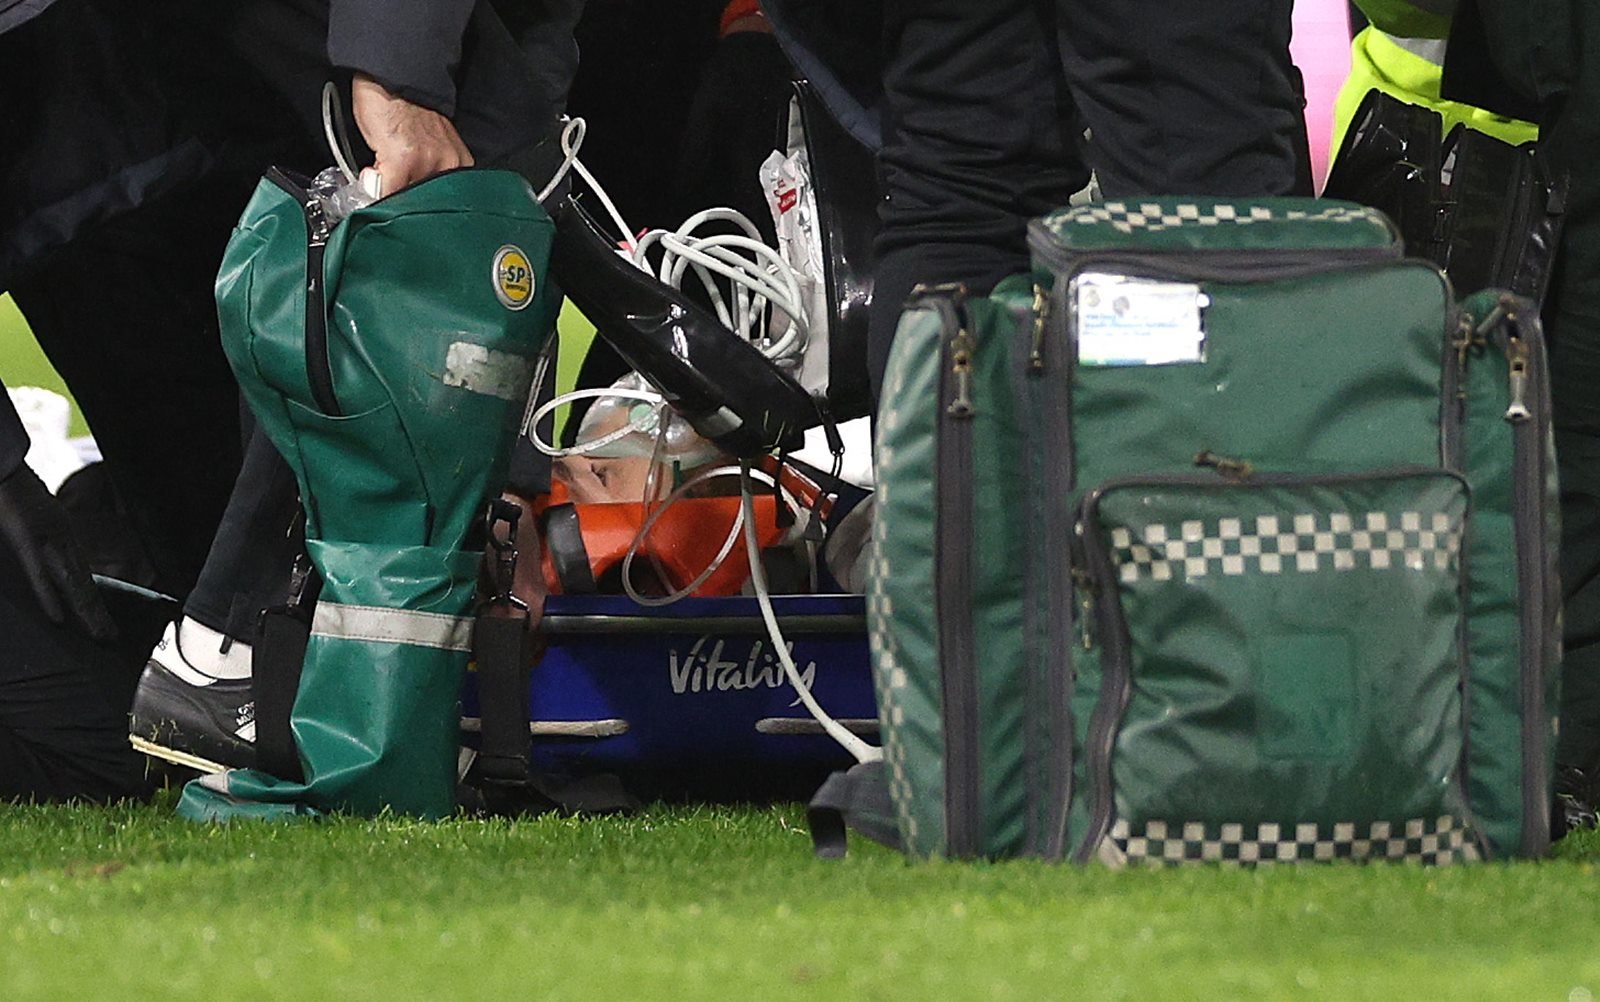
(131, 904)
(727, 903)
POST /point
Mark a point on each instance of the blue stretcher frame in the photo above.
(689, 700)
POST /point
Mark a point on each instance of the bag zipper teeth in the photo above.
(1116, 676)
(319, 370)
(953, 584)
(1453, 382)
(1037, 624)
(1050, 332)
(1529, 433)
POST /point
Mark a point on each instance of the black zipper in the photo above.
(1453, 368)
(1522, 340)
(1116, 679)
(1051, 336)
(953, 582)
(1116, 665)
(319, 370)
(1038, 739)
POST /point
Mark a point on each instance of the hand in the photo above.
(34, 526)
(411, 143)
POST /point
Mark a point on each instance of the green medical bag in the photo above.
(1225, 535)
(388, 358)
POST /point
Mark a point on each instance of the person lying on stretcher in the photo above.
(644, 506)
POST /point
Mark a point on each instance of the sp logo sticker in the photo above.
(513, 277)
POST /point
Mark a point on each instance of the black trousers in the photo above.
(64, 699)
(502, 102)
(127, 316)
(986, 105)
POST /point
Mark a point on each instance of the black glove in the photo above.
(34, 526)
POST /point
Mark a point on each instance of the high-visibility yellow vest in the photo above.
(1410, 68)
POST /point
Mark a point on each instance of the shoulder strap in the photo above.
(859, 799)
(279, 655)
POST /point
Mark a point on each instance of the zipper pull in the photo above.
(1464, 340)
(316, 222)
(1517, 351)
(961, 368)
(299, 577)
(1083, 586)
(1041, 311)
(1233, 469)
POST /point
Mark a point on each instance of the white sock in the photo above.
(194, 653)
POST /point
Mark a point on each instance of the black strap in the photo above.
(500, 647)
(563, 539)
(589, 795)
(504, 649)
(279, 654)
(858, 799)
(601, 793)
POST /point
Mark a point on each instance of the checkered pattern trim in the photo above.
(889, 675)
(1439, 841)
(1151, 217)
(1279, 544)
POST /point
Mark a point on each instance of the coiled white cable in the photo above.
(572, 135)
(333, 129)
(862, 751)
(759, 283)
(758, 279)
(600, 441)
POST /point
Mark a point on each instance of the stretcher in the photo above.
(689, 701)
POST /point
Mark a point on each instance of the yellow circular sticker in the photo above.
(513, 277)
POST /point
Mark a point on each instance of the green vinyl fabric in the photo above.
(1390, 696)
(396, 417)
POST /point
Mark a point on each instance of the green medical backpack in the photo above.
(1226, 535)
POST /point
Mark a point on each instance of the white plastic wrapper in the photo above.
(340, 197)
(786, 178)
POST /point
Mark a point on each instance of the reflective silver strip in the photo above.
(864, 726)
(608, 728)
(492, 373)
(392, 626)
(1428, 49)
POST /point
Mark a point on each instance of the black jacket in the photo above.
(1540, 60)
(13, 437)
(106, 105)
(836, 45)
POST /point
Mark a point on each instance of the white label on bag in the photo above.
(478, 369)
(1138, 321)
